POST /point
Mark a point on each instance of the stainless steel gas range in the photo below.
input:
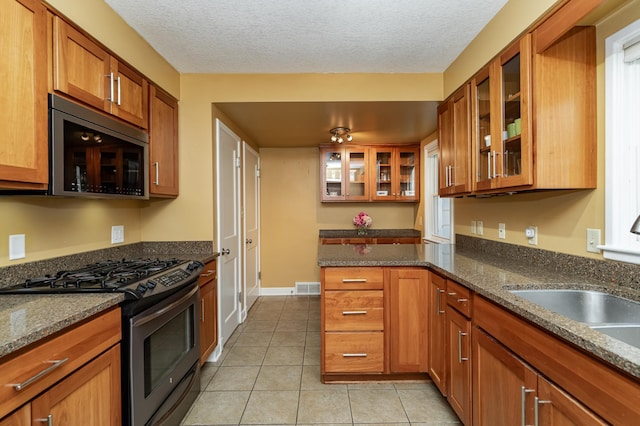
(160, 347)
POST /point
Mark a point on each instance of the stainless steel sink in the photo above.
(628, 333)
(589, 307)
(614, 316)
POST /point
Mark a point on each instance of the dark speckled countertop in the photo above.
(25, 319)
(492, 276)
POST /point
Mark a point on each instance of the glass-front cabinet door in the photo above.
(332, 174)
(385, 183)
(502, 127)
(357, 180)
(486, 149)
(515, 83)
(397, 173)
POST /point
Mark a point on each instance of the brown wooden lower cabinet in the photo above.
(82, 385)
(90, 396)
(437, 332)
(519, 369)
(459, 364)
(374, 323)
(208, 310)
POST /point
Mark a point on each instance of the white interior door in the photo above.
(228, 178)
(251, 193)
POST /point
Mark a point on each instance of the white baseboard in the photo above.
(277, 291)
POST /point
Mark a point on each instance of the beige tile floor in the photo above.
(269, 373)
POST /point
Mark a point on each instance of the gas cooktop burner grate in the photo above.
(106, 275)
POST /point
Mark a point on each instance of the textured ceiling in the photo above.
(314, 36)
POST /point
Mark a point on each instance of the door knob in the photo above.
(225, 251)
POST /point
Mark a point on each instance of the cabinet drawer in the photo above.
(46, 363)
(459, 298)
(209, 273)
(354, 352)
(369, 278)
(353, 310)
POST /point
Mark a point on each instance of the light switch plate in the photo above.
(16, 246)
(593, 240)
(479, 227)
(117, 234)
(502, 232)
(473, 226)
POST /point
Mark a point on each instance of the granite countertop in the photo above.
(371, 233)
(492, 277)
(25, 319)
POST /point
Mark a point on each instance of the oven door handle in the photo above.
(166, 309)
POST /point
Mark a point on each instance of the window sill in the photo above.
(622, 254)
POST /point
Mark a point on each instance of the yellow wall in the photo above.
(292, 215)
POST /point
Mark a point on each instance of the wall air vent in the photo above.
(307, 288)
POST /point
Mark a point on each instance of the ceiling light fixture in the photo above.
(340, 134)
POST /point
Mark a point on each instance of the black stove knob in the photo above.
(141, 288)
(151, 284)
(195, 265)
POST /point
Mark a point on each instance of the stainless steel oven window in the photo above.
(166, 347)
(163, 350)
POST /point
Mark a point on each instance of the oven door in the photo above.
(163, 373)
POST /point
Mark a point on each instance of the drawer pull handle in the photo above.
(361, 355)
(55, 364)
(354, 312)
(462, 300)
(208, 273)
(354, 280)
(48, 420)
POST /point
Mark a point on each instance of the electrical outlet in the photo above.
(502, 232)
(532, 235)
(593, 240)
(479, 228)
(473, 226)
(16, 246)
(117, 234)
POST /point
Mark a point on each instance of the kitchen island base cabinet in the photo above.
(408, 302)
(374, 323)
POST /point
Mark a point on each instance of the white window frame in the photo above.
(433, 203)
(622, 150)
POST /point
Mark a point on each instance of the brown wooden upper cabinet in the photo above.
(532, 121)
(396, 173)
(533, 116)
(370, 173)
(163, 144)
(85, 71)
(24, 162)
(455, 144)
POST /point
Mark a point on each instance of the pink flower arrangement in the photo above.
(362, 221)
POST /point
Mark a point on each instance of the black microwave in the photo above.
(93, 155)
